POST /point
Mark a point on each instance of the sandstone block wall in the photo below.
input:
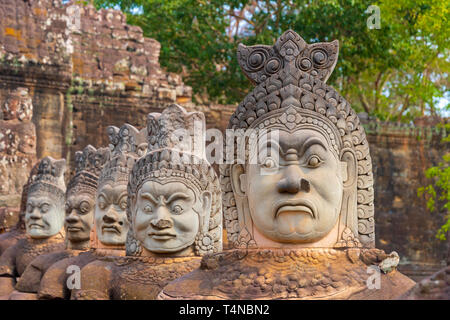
(84, 70)
(17, 151)
(400, 156)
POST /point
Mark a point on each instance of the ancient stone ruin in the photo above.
(302, 215)
(69, 74)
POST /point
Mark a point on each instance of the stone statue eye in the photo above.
(148, 208)
(44, 208)
(314, 161)
(101, 202)
(68, 208)
(123, 203)
(269, 163)
(29, 208)
(84, 207)
(177, 209)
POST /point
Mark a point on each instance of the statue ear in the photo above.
(238, 179)
(206, 210)
(349, 167)
(349, 216)
(206, 201)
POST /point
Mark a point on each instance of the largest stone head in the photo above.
(309, 183)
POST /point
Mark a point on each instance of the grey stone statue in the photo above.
(299, 208)
(44, 221)
(109, 210)
(174, 210)
(79, 219)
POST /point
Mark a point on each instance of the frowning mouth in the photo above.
(73, 229)
(111, 229)
(35, 226)
(161, 235)
(296, 206)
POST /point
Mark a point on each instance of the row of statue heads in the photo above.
(305, 183)
(132, 192)
(159, 196)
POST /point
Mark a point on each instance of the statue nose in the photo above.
(162, 224)
(35, 214)
(110, 216)
(162, 218)
(72, 217)
(292, 182)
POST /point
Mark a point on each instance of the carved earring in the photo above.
(204, 244)
(133, 247)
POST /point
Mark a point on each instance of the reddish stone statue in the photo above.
(174, 210)
(298, 203)
(44, 220)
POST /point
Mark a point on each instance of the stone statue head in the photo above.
(310, 183)
(126, 145)
(18, 105)
(44, 215)
(174, 193)
(80, 196)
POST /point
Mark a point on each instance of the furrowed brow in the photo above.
(310, 142)
(149, 197)
(176, 196)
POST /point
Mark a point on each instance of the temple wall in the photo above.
(80, 64)
(85, 70)
(400, 156)
(17, 151)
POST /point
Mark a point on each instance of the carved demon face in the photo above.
(44, 216)
(79, 216)
(110, 214)
(295, 192)
(167, 215)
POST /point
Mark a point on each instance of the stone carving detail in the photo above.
(260, 62)
(294, 95)
(80, 196)
(17, 151)
(310, 273)
(47, 184)
(173, 209)
(18, 105)
(44, 219)
(176, 160)
(111, 225)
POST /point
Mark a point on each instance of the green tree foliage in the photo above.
(396, 72)
(440, 188)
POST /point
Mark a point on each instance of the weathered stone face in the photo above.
(110, 214)
(300, 199)
(45, 202)
(79, 217)
(17, 106)
(319, 190)
(44, 217)
(167, 216)
(173, 192)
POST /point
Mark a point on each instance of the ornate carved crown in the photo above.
(175, 128)
(126, 145)
(291, 92)
(49, 178)
(176, 152)
(88, 165)
(260, 62)
(175, 141)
